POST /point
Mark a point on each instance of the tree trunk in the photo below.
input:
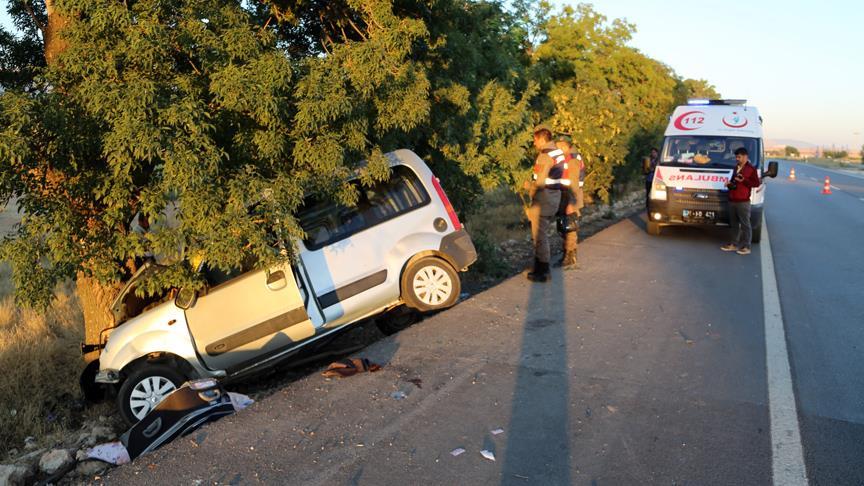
(54, 43)
(95, 300)
(94, 297)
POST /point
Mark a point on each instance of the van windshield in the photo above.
(708, 151)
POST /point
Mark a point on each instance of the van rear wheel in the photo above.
(430, 284)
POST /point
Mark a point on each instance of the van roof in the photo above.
(715, 119)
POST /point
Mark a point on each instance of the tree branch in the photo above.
(33, 16)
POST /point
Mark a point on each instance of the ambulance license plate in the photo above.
(699, 215)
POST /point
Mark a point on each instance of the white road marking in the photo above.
(812, 178)
(838, 172)
(787, 454)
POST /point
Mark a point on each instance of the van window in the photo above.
(326, 222)
(709, 151)
(216, 276)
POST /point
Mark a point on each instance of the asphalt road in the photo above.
(646, 366)
(818, 244)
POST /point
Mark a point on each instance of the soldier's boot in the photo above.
(569, 262)
(560, 262)
(540, 272)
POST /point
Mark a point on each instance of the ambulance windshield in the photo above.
(708, 151)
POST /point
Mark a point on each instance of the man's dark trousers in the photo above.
(739, 220)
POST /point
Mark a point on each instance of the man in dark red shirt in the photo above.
(744, 179)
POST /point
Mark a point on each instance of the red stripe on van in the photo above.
(454, 219)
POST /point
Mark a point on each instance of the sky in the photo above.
(800, 62)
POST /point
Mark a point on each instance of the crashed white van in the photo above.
(697, 160)
(402, 244)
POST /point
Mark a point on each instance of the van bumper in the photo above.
(459, 247)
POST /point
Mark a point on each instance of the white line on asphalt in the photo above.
(787, 455)
(838, 172)
(812, 178)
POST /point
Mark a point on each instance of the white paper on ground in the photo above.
(487, 454)
(457, 451)
(497, 431)
(240, 401)
(111, 452)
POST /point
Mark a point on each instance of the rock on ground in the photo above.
(55, 460)
(14, 474)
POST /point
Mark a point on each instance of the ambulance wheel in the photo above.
(430, 284)
(756, 236)
(146, 386)
(653, 228)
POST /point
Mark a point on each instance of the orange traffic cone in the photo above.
(792, 174)
(827, 188)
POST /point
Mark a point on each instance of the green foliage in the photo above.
(157, 102)
(835, 154)
(602, 92)
(696, 88)
(21, 51)
(191, 129)
(791, 151)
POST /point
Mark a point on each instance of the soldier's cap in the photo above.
(541, 127)
(564, 138)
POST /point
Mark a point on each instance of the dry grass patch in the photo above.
(41, 361)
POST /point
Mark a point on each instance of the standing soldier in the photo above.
(572, 200)
(649, 164)
(545, 194)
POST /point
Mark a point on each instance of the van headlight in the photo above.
(658, 190)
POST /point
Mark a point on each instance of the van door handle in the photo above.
(276, 280)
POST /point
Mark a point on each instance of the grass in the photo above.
(41, 362)
(498, 218)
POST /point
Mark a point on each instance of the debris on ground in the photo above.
(112, 452)
(398, 395)
(487, 454)
(417, 382)
(497, 431)
(349, 367)
(455, 452)
(180, 412)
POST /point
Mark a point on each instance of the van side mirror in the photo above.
(773, 167)
(186, 298)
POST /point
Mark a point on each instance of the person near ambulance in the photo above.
(545, 196)
(649, 166)
(572, 201)
(744, 179)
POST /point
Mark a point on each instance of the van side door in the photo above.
(245, 316)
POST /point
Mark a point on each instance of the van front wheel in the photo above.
(146, 386)
(430, 284)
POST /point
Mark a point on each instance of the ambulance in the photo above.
(698, 159)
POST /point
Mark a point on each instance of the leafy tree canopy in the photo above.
(188, 128)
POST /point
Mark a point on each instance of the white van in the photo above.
(402, 244)
(697, 160)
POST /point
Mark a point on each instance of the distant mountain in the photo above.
(782, 142)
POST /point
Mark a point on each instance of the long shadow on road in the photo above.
(538, 444)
